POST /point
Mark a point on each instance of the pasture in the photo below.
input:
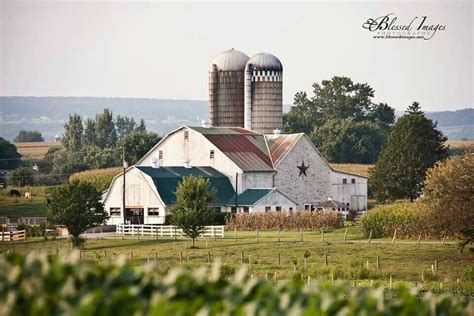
(273, 256)
(16, 207)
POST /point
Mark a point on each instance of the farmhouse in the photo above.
(252, 172)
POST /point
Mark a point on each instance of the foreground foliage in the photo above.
(285, 220)
(49, 285)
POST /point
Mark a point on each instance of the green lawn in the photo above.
(405, 262)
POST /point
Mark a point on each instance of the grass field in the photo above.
(405, 262)
(460, 143)
(359, 169)
(34, 149)
(13, 207)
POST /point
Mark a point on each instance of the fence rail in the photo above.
(13, 235)
(165, 231)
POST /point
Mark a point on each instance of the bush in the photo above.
(285, 220)
(409, 219)
(22, 177)
(51, 285)
(99, 178)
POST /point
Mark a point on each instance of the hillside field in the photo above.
(35, 150)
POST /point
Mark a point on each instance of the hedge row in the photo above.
(51, 285)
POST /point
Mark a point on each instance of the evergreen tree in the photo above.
(413, 146)
(73, 130)
(191, 211)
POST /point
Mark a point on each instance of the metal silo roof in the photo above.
(230, 60)
(265, 61)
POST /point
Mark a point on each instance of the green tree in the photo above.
(9, 156)
(96, 158)
(141, 127)
(338, 98)
(28, 136)
(22, 176)
(347, 140)
(137, 144)
(73, 130)
(77, 205)
(191, 211)
(449, 193)
(90, 132)
(413, 146)
(105, 129)
(125, 125)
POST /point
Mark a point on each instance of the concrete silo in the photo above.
(263, 94)
(226, 89)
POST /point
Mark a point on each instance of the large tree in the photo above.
(449, 193)
(9, 156)
(125, 125)
(73, 130)
(347, 140)
(28, 136)
(191, 211)
(90, 132)
(77, 205)
(137, 144)
(105, 129)
(413, 146)
(338, 98)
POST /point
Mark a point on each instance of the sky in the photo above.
(163, 50)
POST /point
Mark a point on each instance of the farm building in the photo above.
(252, 172)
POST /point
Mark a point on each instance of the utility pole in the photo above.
(123, 189)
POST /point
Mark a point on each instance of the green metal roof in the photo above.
(166, 180)
(249, 197)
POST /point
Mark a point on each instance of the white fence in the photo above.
(165, 231)
(13, 235)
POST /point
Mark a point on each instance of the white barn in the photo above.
(278, 172)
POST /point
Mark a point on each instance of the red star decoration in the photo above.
(303, 169)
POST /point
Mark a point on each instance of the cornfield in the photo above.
(285, 220)
(99, 178)
(409, 219)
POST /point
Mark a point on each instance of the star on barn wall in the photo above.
(303, 169)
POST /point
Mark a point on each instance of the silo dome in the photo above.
(230, 60)
(265, 61)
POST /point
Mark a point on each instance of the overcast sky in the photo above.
(163, 50)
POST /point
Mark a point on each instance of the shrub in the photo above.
(99, 178)
(285, 220)
(21, 177)
(51, 285)
(409, 219)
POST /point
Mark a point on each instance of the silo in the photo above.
(263, 94)
(226, 89)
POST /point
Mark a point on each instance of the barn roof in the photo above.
(280, 145)
(330, 204)
(166, 180)
(250, 196)
(247, 149)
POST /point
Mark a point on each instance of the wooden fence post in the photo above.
(419, 238)
(345, 236)
(279, 259)
(378, 263)
(131, 255)
(394, 236)
(241, 257)
(181, 256)
(105, 254)
(209, 256)
(370, 236)
(326, 259)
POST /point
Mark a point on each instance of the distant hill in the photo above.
(48, 114)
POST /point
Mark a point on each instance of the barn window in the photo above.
(278, 208)
(344, 181)
(211, 154)
(353, 181)
(160, 154)
(268, 208)
(307, 207)
(186, 135)
(246, 209)
(153, 211)
(290, 209)
(115, 211)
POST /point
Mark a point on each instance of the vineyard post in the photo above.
(394, 236)
(370, 236)
(345, 236)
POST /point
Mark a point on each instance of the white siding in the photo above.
(274, 199)
(139, 194)
(353, 193)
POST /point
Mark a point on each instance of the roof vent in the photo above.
(204, 123)
(186, 163)
(329, 198)
(155, 163)
(277, 131)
